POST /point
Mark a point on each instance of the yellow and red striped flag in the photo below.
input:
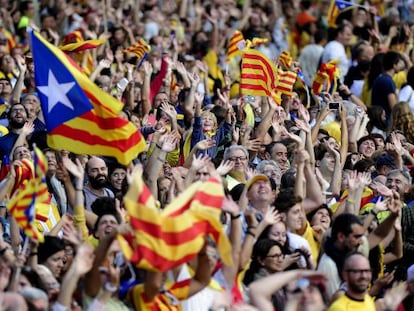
(82, 45)
(326, 78)
(79, 116)
(22, 206)
(235, 45)
(286, 81)
(140, 49)
(285, 60)
(259, 76)
(162, 240)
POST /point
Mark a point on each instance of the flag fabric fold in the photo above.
(235, 45)
(162, 240)
(79, 116)
(259, 76)
(82, 46)
(336, 7)
(139, 49)
(22, 206)
(326, 78)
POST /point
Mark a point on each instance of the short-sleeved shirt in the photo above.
(90, 197)
(383, 86)
(346, 303)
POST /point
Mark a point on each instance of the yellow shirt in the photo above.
(314, 244)
(345, 303)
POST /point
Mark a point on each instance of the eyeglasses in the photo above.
(234, 159)
(359, 271)
(278, 256)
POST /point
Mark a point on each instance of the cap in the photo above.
(305, 18)
(255, 178)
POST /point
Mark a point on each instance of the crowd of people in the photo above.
(319, 198)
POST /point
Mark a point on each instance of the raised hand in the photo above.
(271, 217)
(225, 167)
(170, 141)
(200, 161)
(84, 259)
(76, 170)
(28, 128)
(205, 144)
(169, 110)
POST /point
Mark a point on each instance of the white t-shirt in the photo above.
(406, 95)
(335, 50)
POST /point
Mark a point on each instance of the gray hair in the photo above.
(405, 174)
(32, 293)
(232, 148)
(262, 164)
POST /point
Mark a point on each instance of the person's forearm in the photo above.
(93, 277)
(230, 272)
(313, 190)
(300, 176)
(343, 150)
(69, 283)
(265, 124)
(260, 291)
(6, 186)
(18, 88)
(336, 178)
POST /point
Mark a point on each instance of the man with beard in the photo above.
(346, 236)
(357, 275)
(97, 172)
(17, 117)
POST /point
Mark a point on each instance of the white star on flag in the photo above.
(56, 92)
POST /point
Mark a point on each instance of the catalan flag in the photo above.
(139, 49)
(259, 76)
(162, 240)
(235, 45)
(337, 7)
(79, 116)
(286, 81)
(82, 45)
(285, 60)
(11, 41)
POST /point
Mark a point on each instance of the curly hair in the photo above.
(402, 119)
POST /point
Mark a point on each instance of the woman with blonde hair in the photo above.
(402, 119)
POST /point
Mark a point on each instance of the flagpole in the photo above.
(142, 60)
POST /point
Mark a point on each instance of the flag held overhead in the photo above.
(79, 116)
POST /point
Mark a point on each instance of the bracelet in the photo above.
(233, 217)
(350, 201)
(158, 146)
(373, 212)
(33, 254)
(78, 189)
(110, 288)
(251, 233)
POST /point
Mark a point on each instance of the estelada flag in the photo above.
(79, 116)
(259, 76)
(22, 206)
(337, 7)
(139, 49)
(162, 240)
